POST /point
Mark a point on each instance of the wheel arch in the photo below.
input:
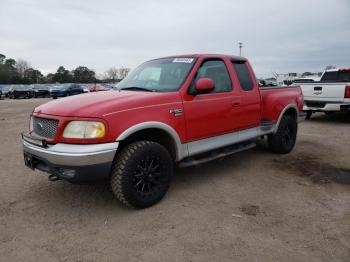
(291, 110)
(157, 132)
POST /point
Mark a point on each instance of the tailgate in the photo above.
(324, 91)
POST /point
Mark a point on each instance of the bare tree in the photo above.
(123, 72)
(112, 74)
(330, 67)
(22, 66)
(2, 58)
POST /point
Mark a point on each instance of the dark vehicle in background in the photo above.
(20, 91)
(40, 91)
(1, 95)
(5, 90)
(66, 90)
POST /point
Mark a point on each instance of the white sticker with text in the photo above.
(183, 60)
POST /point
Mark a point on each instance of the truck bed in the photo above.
(274, 98)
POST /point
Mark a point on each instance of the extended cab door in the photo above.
(211, 114)
(250, 104)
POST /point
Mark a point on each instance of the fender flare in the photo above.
(180, 149)
(283, 112)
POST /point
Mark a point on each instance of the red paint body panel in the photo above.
(204, 115)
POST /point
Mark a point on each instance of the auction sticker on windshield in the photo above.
(183, 60)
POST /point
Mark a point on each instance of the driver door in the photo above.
(210, 114)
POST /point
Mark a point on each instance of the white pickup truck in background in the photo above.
(330, 94)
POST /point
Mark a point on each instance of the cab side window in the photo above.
(243, 75)
(217, 71)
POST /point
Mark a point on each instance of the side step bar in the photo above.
(216, 154)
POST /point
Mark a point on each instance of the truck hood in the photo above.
(98, 104)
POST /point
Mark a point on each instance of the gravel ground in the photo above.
(253, 206)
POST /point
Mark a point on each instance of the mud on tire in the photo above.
(141, 174)
(284, 139)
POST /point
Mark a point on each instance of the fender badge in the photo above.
(176, 111)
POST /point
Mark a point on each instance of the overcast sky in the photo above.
(278, 36)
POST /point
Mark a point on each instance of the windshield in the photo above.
(161, 75)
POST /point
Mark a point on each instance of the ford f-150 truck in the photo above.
(182, 110)
(330, 94)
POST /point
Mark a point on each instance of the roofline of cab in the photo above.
(206, 56)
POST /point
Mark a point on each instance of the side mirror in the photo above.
(204, 85)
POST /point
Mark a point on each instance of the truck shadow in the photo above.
(209, 171)
(80, 198)
(311, 167)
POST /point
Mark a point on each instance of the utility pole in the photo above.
(240, 45)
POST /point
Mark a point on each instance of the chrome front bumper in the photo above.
(81, 162)
(73, 154)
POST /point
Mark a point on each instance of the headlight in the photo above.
(84, 129)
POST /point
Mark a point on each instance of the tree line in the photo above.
(21, 72)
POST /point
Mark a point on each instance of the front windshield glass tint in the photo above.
(161, 75)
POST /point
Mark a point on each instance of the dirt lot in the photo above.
(254, 206)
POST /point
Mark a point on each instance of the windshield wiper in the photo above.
(136, 88)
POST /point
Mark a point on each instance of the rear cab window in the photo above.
(243, 75)
(336, 76)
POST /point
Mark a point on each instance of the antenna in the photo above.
(240, 45)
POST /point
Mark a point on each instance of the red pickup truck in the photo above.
(182, 110)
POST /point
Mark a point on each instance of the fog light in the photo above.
(67, 173)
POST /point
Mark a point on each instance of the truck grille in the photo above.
(45, 127)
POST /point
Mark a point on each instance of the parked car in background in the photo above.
(5, 90)
(99, 87)
(330, 94)
(182, 110)
(264, 83)
(40, 91)
(1, 95)
(20, 91)
(85, 88)
(66, 90)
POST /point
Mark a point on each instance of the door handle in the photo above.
(235, 104)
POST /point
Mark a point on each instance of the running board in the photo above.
(216, 154)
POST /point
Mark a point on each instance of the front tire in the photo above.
(141, 174)
(284, 139)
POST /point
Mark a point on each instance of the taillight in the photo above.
(347, 92)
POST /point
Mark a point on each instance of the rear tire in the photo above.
(141, 174)
(284, 139)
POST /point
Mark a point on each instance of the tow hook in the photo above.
(54, 178)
